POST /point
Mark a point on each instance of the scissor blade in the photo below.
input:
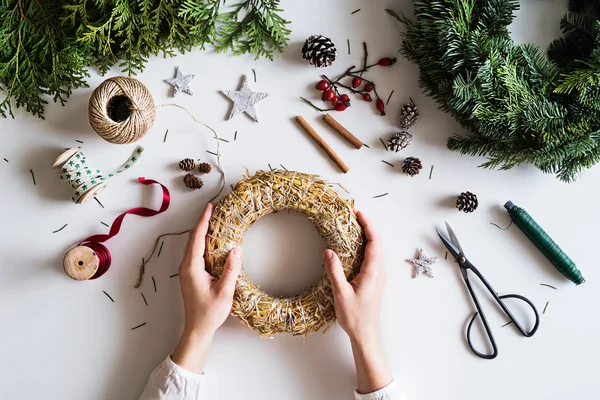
(448, 243)
(454, 238)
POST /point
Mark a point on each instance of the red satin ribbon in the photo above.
(94, 241)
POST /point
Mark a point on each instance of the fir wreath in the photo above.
(518, 104)
(47, 45)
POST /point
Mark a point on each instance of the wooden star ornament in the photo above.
(423, 264)
(180, 83)
(244, 100)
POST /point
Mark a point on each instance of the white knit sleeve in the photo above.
(171, 382)
(390, 392)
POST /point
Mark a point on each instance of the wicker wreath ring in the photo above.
(269, 192)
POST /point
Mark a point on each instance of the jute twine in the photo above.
(265, 193)
(142, 110)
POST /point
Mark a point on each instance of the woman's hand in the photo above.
(357, 307)
(207, 300)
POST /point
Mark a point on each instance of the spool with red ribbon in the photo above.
(90, 259)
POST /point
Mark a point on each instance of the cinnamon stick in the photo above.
(309, 129)
(353, 140)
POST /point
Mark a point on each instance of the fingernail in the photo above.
(328, 254)
(236, 252)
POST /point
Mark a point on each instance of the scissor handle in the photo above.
(486, 327)
(513, 319)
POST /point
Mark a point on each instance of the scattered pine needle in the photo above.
(173, 276)
(78, 141)
(210, 152)
(5, 160)
(154, 283)
(545, 307)
(160, 250)
(144, 297)
(224, 140)
(508, 323)
(446, 256)
(383, 143)
(139, 326)
(380, 195)
(348, 41)
(284, 167)
(389, 97)
(63, 227)
(108, 295)
(390, 164)
(499, 227)
(235, 136)
(366, 145)
(165, 139)
(105, 224)
(355, 11)
(547, 285)
(430, 172)
(271, 168)
(254, 73)
(33, 177)
(101, 205)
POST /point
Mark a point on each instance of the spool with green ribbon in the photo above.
(544, 243)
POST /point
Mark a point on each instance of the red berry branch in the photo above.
(356, 84)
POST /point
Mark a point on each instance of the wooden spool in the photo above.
(81, 263)
(94, 190)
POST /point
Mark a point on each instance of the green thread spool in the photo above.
(544, 243)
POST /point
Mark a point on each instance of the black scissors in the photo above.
(455, 248)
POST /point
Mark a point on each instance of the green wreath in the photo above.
(518, 104)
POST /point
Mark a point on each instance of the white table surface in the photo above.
(62, 339)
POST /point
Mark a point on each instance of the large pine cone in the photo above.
(204, 168)
(193, 182)
(399, 141)
(319, 51)
(187, 164)
(412, 166)
(467, 202)
(409, 115)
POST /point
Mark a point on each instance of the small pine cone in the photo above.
(193, 182)
(399, 141)
(204, 168)
(187, 164)
(412, 166)
(409, 115)
(467, 202)
(319, 51)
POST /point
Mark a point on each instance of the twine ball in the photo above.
(121, 110)
(269, 192)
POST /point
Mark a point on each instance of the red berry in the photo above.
(322, 85)
(368, 87)
(340, 107)
(324, 96)
(380, 106)
(367, 97)
(330, 94)
(356, 82)
(345, 98)
(386, 61)
(335, 100)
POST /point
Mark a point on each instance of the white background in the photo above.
(62, 339)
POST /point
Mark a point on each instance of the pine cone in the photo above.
(187, 164)
(412, 166)
(193, 182)
(319, 51)
(204, 168)
(467, 202)
(409, 115)
(399, 141)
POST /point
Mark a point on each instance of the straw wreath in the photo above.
(265, 193)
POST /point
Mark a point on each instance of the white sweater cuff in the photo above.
(389, 392)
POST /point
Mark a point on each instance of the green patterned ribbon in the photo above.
(83, 178)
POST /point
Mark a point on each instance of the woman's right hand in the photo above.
(357, 308)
